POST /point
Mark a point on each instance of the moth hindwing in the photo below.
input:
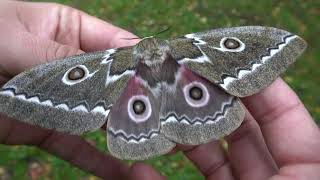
(157, 93)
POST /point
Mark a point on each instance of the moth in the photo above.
(157, 93)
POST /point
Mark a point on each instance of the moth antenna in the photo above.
(130, 38)
(163, 31)
(160, 32)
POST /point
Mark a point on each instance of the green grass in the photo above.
(147, 17)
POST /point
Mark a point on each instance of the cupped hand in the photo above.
(278, 139)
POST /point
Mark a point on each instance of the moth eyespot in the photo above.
(76, 75)
(231, 44)
(139, 108)
(196, 94)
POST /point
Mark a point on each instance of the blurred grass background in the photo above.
(148, 17)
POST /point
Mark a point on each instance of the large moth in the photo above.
(157, 93)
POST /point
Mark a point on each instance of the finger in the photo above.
(248, 153)
(80, 153)
(21, 50)
(72, 27)
(13, 132)
(70, 148)
(99, 35)
(210, 159)
(140, 171)
(299, 171)
(289, 131)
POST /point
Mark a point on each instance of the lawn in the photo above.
(147, 17)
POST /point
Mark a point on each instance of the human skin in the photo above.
(278, 139)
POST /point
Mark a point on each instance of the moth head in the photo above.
(151, 51)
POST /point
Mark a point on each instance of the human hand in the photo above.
(32, 33)
(278, 140)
